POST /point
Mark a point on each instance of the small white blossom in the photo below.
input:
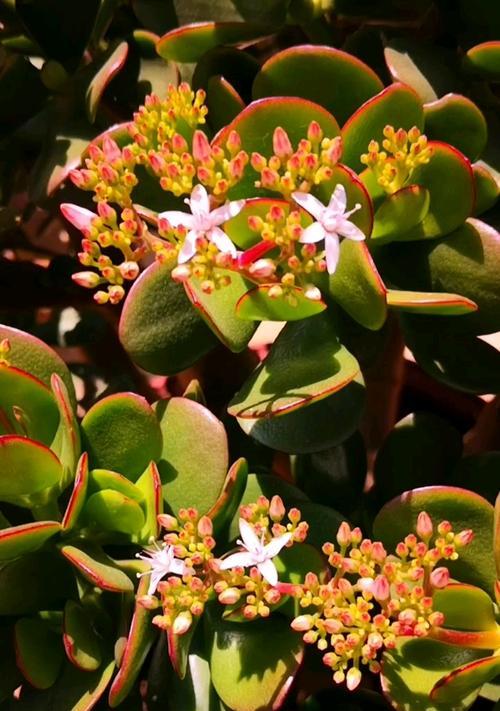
(162, 562)
(331, 223)
(256, 552)
(203, 222)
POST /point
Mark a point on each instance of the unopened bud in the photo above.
(344, 535)
(205, 526)
(167, 521)
(87, 279)
(230, 596)
(201, 147)
(380, 588)
(314, 132)
(262, 268)
(129, 270)
(440, 577)
(464, 538)
(353, 678)
(281, 143)
(424, 526)
(182, 623)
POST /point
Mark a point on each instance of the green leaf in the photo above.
(484, 59)
(66, 443)
(159, 328)
(112, 511)
(465, 607)
(30, 472)
(229, 499)
(223, 102)
(247, 672)
(238, 229)
(487, 188)
(257, 305)
(218, 310)
(457, 120)
(464, 509)
(467, 679)
(97, 86)
(236, 66)
(101, 479)
(98, 568)
(404, 209)
(479, 472)
(178, 648)
(121, 433)
(39, 652)
(194, 459)
(189, 42)
(410, 671)
(149, 484)
(306, 70)
(80, 640)
(78, 495)
(16, 70)
(397, 104)
(428, 303)
(26, 538)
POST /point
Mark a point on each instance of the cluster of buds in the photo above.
(289, 169)
(219, 168)
(402, 152)
(373, 597)
(270, 518)
(126, 234)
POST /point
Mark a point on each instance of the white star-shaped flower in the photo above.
(332, 222)
(256, 552)
(203, 222)
(162, 562)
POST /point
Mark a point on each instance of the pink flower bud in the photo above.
(80, 217)
(345, 587)
(182, 623)
(312, 293)
(167, 521)
(444, 527)
(179, 144)
(464, 538)
(379, 554)
(344, 535)
(440, 577)
(332, 626)
(129, 270)
(424, 526)
(281, 143)
(116, 294)
(101, 297)
(314, 132)
(381, 588)
(262, 268)
(258, 162)
(181, 273)
(276, 508)
(201, 147)
(233, 143)
(205, 527)
(110, 149)
(353, 678)
(230, 596)
(89, 280)
(302, 623)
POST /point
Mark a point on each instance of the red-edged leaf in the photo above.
(39, 652)
(66, 442)
(485, 59)
(80, 640)
(27, 537)
(457, 120)
(78, 495)
(229, 499)
(462, 681)
(98, 568)
(178, 648)
(149, 484)
(98, 85)
(430, 303)
(257, 305)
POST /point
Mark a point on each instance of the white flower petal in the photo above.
(80, 217)
(338, 200)
(221, 241)
(177, 217)
(199, 201)
(226, 212)
(250, 538)
(313, 233)
(273, 547)
(351, 231)
(309, 203)
(156, 577)
(188, 249)
(178, 567)
(268, 571)
(332, 248)
(237, 560)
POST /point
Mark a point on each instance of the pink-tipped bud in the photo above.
(312, 293)
(129, 270)
(464, 538)
(205, 526)
(344, 534)
(110, 149)
(353, 678)
(230, 596)
(233, 143)
(201, 147)
(314, 132)
(381, 588)
(148, 602)
(167, 521)
(302, 623)
(89, 280)
(345, 587)
(101, 297)
(179, 143)
(106, 212)
(80, 217)
(258, 162)
(276, 508)
(281, 143)
(444, 528)
(440, 577)
(181, 273)
(116, 294)
(424, 526)
(262, 268)
(182, 623)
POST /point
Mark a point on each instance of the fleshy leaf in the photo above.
(98, 568)
(39, 652)
(81, 643)
(223, 102)
(465, 607)
(26, 538)
(430, 303)
(484, 58)
(404, 209)
(159, 328)
(149, 483)
(228, 502)
(78, 495)
(257, 305)
(486, 186)
(110, 510)
(465, 680)
(66, 443)
(457, 120)
(102, 78)
(178, 648)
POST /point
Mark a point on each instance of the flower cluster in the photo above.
(372, 597)
(402, 152)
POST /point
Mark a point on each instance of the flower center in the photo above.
(330, 220)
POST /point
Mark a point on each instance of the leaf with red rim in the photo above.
(484, 59)
(229, 499)
(149, 484)
(120, 432)
(396, 105)
(66, 443)
(404, 209)
(189, 42)
(465, 607)
(112, 511)
(457, 120)
(178, 648)
(257, 305)
(30, 472)
(430, 303)
(453, 687)
(26, 538)
(306, 70)
(98, 568)
(97, 86)
(80, 640)
(39, 652)
(78, 495)
(486, 187)
(464, 509)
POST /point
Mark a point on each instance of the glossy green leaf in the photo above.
(223, 102)
(149, 484)
(101, 479)
(464, 509)
(98, 568)
(428, 303)
(39, 652)
(457, 120)
(218, 311)
(452, 688)
(194, 459)
(257, 305)
(249, 673)
(140, 638)
(486, 186)
(107, 71)
(120, 432)
(484, 58)
(236, 66)
(78, 495)
(66, 443)
(178, 648)
(229, 499)
(410, 671)
(404, 209)
(397, 104)
(29, 471)
(306, 70)
(189, 42)
(256, 124)
(26, 538)
(110, 510)
(159, 328)
(465, 607)
(307, 363)
(80, 640)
